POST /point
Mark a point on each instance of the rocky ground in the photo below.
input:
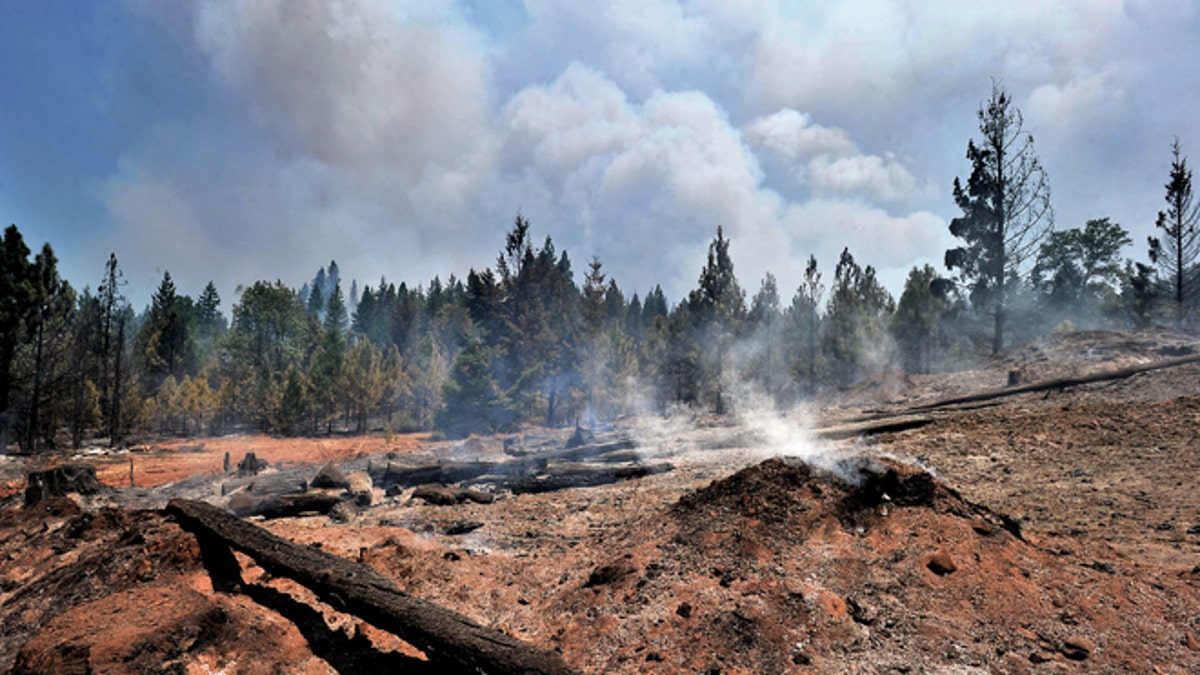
(1051, 531)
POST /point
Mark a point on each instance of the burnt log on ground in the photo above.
(393, 473)
(390, 473)
(1056, 384)
(589, 451)
(446, 495)
(283, 506)
(330, 476)
(569, 475)
(879, 426)
(291, 481)
(444, 636)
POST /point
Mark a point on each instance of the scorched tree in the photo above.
(1006, 210)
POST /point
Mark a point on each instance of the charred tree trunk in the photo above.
(446, 637)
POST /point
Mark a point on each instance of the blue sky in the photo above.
(238, 141)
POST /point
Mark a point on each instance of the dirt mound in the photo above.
(780, 566)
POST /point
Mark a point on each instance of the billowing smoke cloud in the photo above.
(401, 138)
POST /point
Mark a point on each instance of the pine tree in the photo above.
(856, 319)
(364, 382)
(165, 339)
(49, 327)
(114, 320)
(1006, 210)
(805, 325)
(474, 401)
(210, 323)
(1176, 252)
(336, 316)
(916, 325)
(763, 320)
(718, 308)
(16, 304)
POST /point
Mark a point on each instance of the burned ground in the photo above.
(1055, 531)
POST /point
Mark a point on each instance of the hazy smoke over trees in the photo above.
(526, 342)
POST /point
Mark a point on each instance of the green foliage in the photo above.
(918, 326)
(717, 310)
(804, 327)
(856, 320)
(16, 304)
(1139, 290)
(1078, 271)
(474, 401)
(763, 346)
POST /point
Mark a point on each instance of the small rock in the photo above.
(941, 563)
(1078, 648)
(463, 527)
(1191, 641)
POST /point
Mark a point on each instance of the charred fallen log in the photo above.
(283, 506)
(444, 636)
(330, 476)
(447, 472)
(879, 426)
(282, 483)
(1056, 384)
(569, 475)
(447, 495)
(393, 473)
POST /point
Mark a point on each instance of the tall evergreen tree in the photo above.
(1176, 252)
(474, 401)
(16, 303)
(114, 323)
(805, 325)
(165, 339)
(764, 321)
(49, 328)
(718, 308)
(210, 323)
(917, 324)
(336, 316)
(85, 412)
(1006, 210)
(856, 320)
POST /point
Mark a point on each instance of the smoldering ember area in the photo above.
(1034, 515)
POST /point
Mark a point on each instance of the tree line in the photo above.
(524, 342)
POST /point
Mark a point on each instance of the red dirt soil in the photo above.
(1056, 532)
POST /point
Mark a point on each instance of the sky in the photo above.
(239, 141)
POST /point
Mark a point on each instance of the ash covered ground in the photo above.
(1056, 530)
